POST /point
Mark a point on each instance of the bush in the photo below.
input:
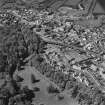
(36, 89)
(33, 79)
(52, 89)
(18, 78)
(60, 96)
(29, 94)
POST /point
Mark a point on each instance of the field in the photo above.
(43, 97)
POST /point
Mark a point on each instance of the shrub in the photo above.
(52, 89)
(33, 79)
(60, 96)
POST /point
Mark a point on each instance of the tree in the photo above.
(18, 78)
(36, 89)
(60, 96)
(71, 83)
(52, 89)
(33, 79)
(29, 94)
(75, 91)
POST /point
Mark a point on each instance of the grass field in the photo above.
(43, 97)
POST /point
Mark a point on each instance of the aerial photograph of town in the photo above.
(52, 52)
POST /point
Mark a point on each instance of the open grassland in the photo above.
(43, 96)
